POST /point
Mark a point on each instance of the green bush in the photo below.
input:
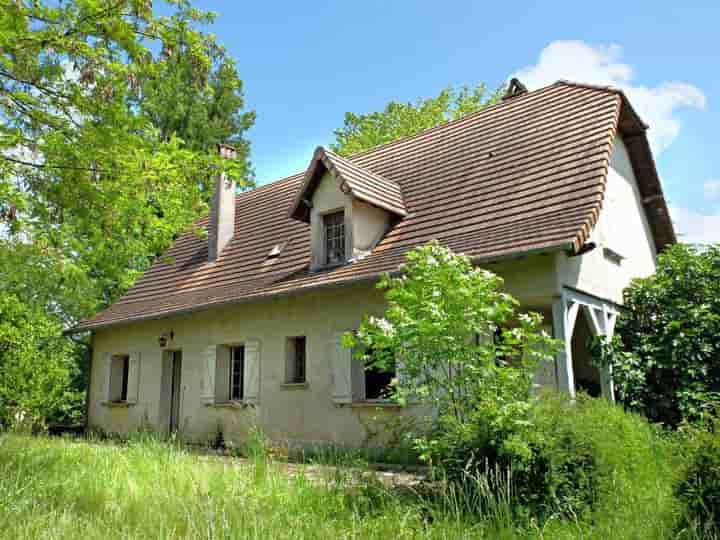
(699, 486)
(665, 361)
(586, 460)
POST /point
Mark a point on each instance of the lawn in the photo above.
(64, 488)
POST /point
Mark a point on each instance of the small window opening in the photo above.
(378, 382)
(120, 368)
(237, 372)
(334, 227)
(296, 361)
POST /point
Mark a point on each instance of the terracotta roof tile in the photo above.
(361, 183)
(527, 174)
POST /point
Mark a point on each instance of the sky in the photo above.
(304, 64)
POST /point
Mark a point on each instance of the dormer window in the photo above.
(349, 209)
(334, 230)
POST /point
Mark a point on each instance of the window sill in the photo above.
(229, 405)
(294, 385)
(382, 404)
(118, 404)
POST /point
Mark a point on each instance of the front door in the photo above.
(175, 389)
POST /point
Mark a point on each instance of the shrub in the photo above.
(699, 486)
(464, 350)
(37, 366)
(585, 460)
(666, 363)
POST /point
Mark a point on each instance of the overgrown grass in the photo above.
(144, 488)
(51, 488)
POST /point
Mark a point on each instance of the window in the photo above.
(237, 372)
(334, 228)
(378, 382)
(296, 360)
(119, 372)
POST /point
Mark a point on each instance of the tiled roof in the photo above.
(361, 183)
(527, 174)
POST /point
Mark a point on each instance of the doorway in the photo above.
(587, 375)
(175, 371)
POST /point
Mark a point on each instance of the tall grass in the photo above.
(52, 488)
(145, 488)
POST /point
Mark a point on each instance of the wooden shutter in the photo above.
(105, 372)
(341, 363)
(133, 382)
(207, 381)
(251, 388)
(222, 373)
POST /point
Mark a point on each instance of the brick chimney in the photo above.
(222, 212)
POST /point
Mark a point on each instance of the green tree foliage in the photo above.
(36, 367)
(463, 348)
(666, 360)
(109, 117)
(103, 159)
(364, 131)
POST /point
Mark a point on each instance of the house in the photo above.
(555, 190)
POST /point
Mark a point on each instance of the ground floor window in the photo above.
(295, 368)
(378, 383)
(237, 372)
(119, 372)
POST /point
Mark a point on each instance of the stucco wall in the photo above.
(299, 415)
(302, 415)
(623, 227)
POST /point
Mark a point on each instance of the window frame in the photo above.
(232, 372)
(124, 378)
(340, 240)
(296, 357)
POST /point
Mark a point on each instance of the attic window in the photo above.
(334, 229)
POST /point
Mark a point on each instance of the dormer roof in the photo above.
(353, 179)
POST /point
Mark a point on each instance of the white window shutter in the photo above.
(251, 388)
(222, 374)
(133, 382)
(341, 362)
(207, 381)
(105, 372)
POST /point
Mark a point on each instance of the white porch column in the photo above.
(562, 330)
(606, 379)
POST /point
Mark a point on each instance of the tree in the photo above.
(364, 131)
(109, 115)
(37, 368)
(105, 152)
(462, 348)
(666, 359)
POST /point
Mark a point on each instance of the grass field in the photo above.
(64, 488)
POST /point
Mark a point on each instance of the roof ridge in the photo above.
(453, 121)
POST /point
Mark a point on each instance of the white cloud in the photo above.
(711, 190)
(600, 64)
(696, 228)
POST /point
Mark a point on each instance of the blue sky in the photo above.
(304, 64)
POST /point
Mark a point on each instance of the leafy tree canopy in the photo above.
(364, 131)
(109, 117)
(666, 360)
